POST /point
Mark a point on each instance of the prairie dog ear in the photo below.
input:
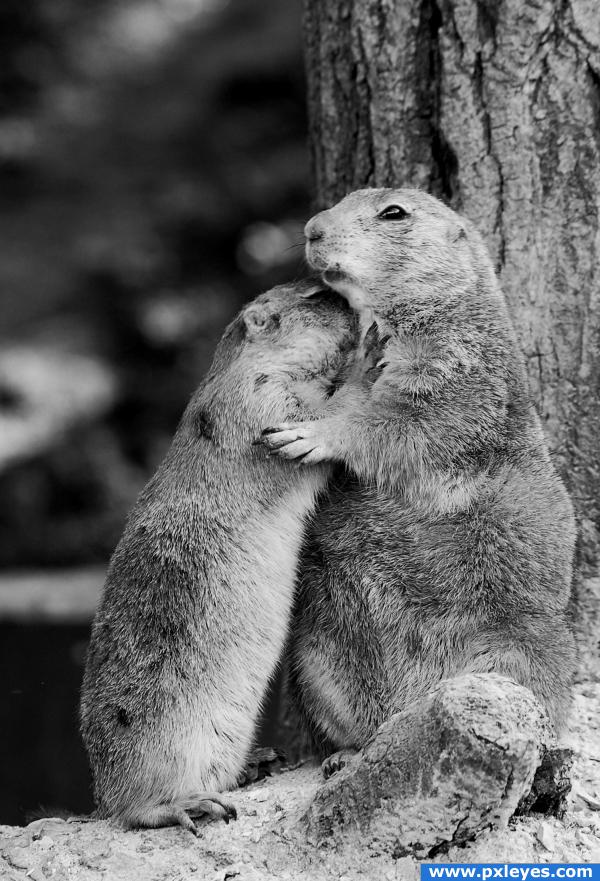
(458, 233)
(258, 318)
(309, 289)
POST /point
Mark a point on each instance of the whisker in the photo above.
(294, 245)
(298, 273)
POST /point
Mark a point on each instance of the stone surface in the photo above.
(265, 843)
(458, 762)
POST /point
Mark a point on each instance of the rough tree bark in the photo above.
(493, 105)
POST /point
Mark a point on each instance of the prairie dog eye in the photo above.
(394, 212)
(258, 319)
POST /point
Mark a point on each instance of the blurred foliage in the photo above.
(154, 172)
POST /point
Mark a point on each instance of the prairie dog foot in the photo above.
(261, 762)
(211, 804)
(337, 761)
(214, 805)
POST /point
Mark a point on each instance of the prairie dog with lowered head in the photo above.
(199, 590)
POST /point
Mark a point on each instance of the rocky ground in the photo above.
(268, 841)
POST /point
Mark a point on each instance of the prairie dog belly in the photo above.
(218, 732)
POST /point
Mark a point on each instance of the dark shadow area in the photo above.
(43, 766)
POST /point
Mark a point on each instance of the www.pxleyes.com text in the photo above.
(514, 871)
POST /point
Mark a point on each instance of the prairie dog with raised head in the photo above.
(199, 590)
(445, 543)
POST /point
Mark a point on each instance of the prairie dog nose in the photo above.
(313, 231)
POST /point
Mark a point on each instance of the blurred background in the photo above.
(153, 177)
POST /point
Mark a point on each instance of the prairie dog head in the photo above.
(282, 351)
(378, 244)
(300, 330)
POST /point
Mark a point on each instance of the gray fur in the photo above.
(199, 590)
(445, 543)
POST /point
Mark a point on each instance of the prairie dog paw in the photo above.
(369, 360)
(336, 762)
(304, 442)
(261, 762)
(213, 805)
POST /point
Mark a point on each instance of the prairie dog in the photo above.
(445, 543)
(199, 590)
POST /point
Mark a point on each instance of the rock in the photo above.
(268, 845)
(439, 773)
(18, 858)
(591, 801)
(264, 849)
(545, 836)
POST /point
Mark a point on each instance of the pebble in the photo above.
(260, 795)
(591, 801)
(16, 859)
(231, 871)
(406, 867)
(545, 835)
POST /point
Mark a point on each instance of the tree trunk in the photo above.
(494, 106)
